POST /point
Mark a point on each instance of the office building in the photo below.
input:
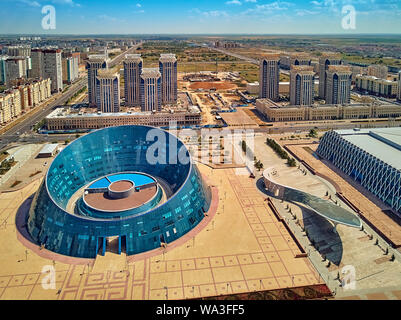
(65, 119)
(151, 96)
(133, 65)
(108, 90)
(338, 85)
(276, 113)
(168, 72)
(325, 61)
(301, 85)
(269, 77)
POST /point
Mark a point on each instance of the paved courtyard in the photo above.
(342, 246)
(243, 248)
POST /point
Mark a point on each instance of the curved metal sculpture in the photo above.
(324, 208)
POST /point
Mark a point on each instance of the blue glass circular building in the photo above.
(137, 183)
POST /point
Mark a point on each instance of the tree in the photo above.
(291, 162)
(313, 133)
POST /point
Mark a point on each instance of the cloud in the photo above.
(304, 12)
(106, 17)
(251, 1)
(138, 5)
(234, 2)
(274, 6)
(30, 3)
(215, 13)
(66, 2)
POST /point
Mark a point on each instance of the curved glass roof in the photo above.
(322, 207)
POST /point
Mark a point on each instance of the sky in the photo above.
(202, 16)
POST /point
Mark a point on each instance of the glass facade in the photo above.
(107, 151)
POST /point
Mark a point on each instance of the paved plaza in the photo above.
(342, 246)
(242, 249)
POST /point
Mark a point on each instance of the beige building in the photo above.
(301, 85)
(151, 97)
(168, 72)
(108, 90)
(23, 97)
(95, 62)
(269, 77)
(326, 60)
(338, 84)
(376, 86)
(133, 64)
(61, 119)
(277, 113)
(252, 87)
(378, 71)
(294, 59)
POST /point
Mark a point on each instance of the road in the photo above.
(22, 132)
(245, 58)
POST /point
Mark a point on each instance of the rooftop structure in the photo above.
(64, 119)
(276, 112)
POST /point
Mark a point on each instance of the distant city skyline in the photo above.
(201, 17)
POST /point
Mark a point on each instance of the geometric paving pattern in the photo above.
(244, 248)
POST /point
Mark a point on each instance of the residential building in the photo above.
(151, 96)
(378, 71)
(301, 85)
(326, 60)
(94, 63)
(133, 65)
(168, 72)
(377, 86)
(338, 84)
(108, 90)
(269, 77)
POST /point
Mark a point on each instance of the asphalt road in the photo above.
(22, 132)
(247, 59)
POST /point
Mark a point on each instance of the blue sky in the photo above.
(201, 16)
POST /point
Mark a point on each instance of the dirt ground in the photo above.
(208, 85)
